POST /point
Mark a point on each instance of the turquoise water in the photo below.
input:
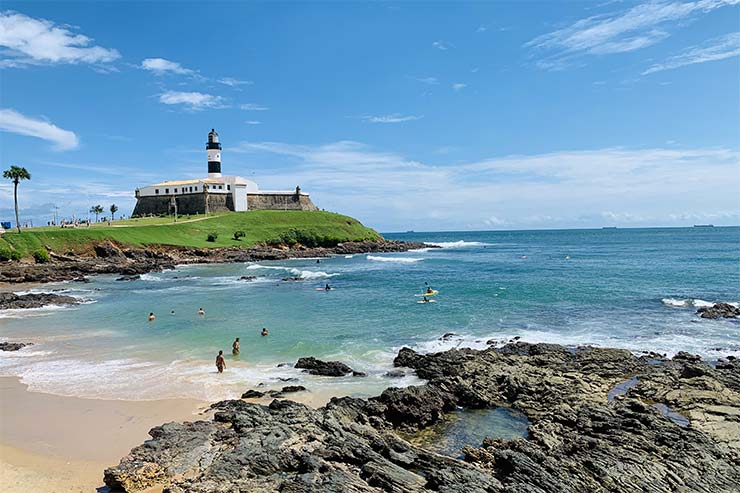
(630, 288)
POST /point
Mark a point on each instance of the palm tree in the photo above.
(97, 210)
(16, 174)
(113, 210)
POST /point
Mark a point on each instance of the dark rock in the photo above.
(577, 440)
(247, 278)
(292, 388)
(395, 374)
(447, 336)
(356, 373)
(719, 310)
(326, 368)
(134, 277)
(14, 346)
(252, 394)
(684, 356)
(292, 278)
(34, 300)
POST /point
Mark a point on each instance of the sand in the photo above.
(50, 443)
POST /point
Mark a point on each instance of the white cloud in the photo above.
(232, 82)
(253, 122)
(441, 45)
(392, 118)
(481, 29)
(457, 86)
(726, 46)
(253, 107)
(628, 30)
(14, 122)
(559, 189)
(161, 66)
(30, 41)
(193, 100)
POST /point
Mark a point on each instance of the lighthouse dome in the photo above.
(212, 136)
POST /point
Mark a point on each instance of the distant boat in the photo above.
(410, 231)
(703, 225)
(609, 227)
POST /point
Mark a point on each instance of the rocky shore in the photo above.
(34, 300)
(600, 420)
(109, 258)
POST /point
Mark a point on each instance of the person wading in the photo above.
(220, 362)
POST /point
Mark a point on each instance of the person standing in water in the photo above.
(151, 316)
(235, 347)
(264, 332)
(220, 362)
(201, 311)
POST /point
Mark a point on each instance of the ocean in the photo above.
(629, 288)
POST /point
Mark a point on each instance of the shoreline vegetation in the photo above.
(138, 246)
(599, 419)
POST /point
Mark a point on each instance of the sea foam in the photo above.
(402, 260)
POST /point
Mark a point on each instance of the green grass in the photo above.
(261, 227)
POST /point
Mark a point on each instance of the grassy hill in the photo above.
(265, 227)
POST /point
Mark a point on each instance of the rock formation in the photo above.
(34, 300)
(719, 310)
(578, 440)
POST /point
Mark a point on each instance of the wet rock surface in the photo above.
(719, 310)
(109, 258)
(325, 368)
(14, 346)
(34, 300)
(577, 439)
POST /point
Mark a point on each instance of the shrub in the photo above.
(212, 236)
(238, 235)
(41, 256)
(8, 254)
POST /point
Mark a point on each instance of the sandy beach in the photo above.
(52, 443)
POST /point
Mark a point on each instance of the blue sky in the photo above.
(407, 115)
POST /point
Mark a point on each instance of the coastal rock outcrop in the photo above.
(109, 258)
(14, 346)
(325, 368)
(719, 310)
(34, 300)
(578, 439)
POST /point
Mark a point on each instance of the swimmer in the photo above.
(151, 316)
(235, 347)
(201, 311)
(264, 332)
(318, 261)
(220, 362)
(172, 312)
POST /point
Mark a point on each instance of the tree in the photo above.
(97, 210)
(113, 210)
(16, 174)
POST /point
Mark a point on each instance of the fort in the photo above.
(215, 193)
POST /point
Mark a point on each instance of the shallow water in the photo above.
(635, 289)
(470, 427)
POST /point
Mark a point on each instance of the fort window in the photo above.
(175, 190)
(156, 190)
(228, 187)
(166, 190)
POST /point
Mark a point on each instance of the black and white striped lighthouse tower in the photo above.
(213, 147)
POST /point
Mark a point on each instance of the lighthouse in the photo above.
(213, 147)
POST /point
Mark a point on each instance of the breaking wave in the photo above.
(403, 260)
